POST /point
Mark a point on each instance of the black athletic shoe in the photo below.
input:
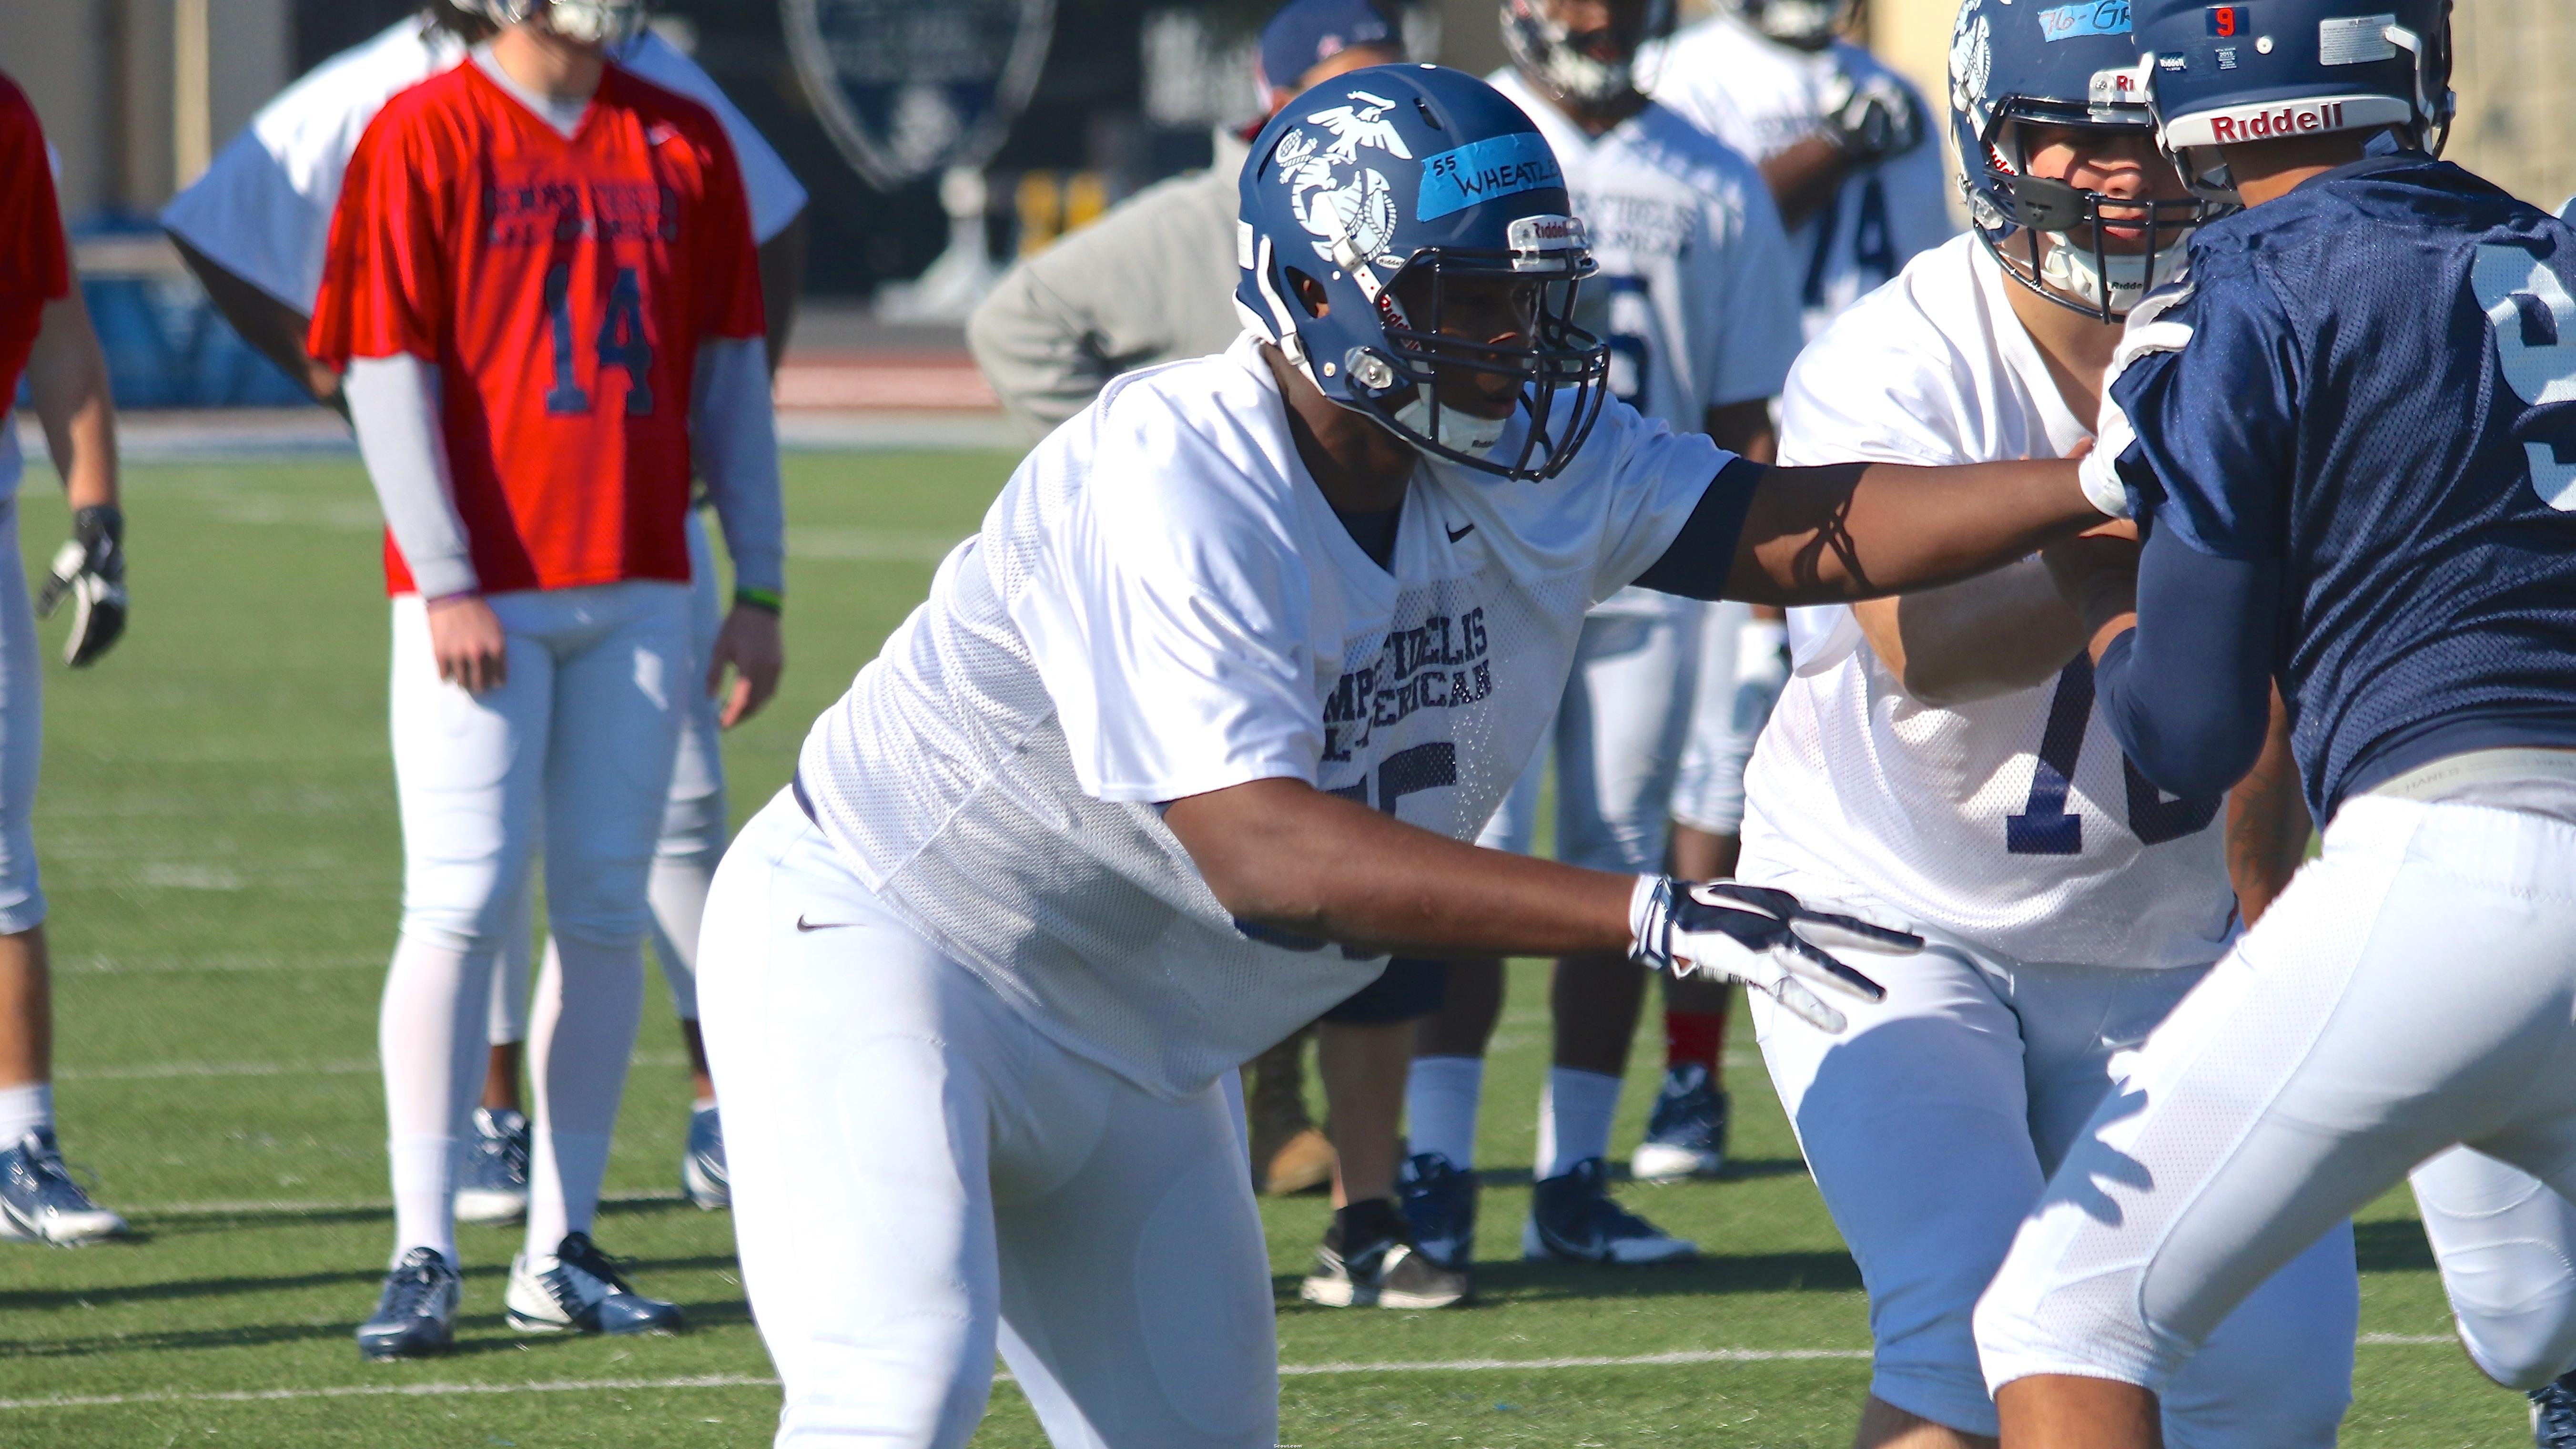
(1573, 1220)
(2553, 1414)
(579, 1288)
(1686, 1135)
(416, 1316)
(1439, 1203)
(1367, 1261)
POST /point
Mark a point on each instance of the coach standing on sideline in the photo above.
(1153, 282)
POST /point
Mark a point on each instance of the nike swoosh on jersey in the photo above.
(1456, 534)
(803, 924)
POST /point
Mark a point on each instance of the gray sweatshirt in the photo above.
(1152, 281)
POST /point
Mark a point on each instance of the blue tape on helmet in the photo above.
(1497, 166)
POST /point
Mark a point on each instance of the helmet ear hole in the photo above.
(1310, 294)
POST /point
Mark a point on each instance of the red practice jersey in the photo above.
(34, 267)
(562, 286)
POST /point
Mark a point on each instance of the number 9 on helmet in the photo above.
(1406, 241)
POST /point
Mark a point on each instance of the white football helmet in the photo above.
(609, 23)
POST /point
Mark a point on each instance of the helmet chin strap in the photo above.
(2073, 270)
(1454, 427)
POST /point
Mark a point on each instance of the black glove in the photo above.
(1873, 119)
(90, 567)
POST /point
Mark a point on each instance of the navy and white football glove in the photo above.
(90, 569)
(1765, 938)
(1869, 120)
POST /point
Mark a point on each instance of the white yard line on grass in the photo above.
(343, 1067)
(750, 1381)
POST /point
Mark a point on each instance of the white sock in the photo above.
(23, 1109)
(1440, 1097)
(430, 1036)
(589, 999)
(1574, 1112)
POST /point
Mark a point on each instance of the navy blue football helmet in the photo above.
(2074, 65)
(2272, 68)
(1382, 186)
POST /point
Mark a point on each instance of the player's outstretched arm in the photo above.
(1858, 531)
(1281, 854)
(270, 326)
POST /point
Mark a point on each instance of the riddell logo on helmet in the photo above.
(2270, 124)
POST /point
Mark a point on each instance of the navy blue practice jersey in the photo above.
(2378, 392)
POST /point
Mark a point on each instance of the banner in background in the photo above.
(908, 89)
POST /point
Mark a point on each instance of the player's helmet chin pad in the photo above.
(1386, 188)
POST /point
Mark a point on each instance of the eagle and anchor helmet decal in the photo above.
(1384, 189)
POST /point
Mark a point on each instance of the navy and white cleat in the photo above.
(492, 1185)
(1573, 1220)
(702, 1163)
(1439, 1201)
(1385, 1273)
(416, 1316)
(579, 1289)
(2553, 1413)
(39, 1202)
(1686, 1134)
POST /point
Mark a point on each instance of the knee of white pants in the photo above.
(464, 905)
(2277, 1372)
(2503, 1241)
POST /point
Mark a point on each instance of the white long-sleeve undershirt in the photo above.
(394, 407)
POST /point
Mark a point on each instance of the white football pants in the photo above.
(1617, 739)
(22, 732)
(920, 1177)
(2507, 1249)
(1931, 1124)
(693, 829)
(2412, 989)
(582, 732)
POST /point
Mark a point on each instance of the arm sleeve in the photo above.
(2188, 692)
(736, 441)
(394, 407)
(1702, 555)
(2204, 389)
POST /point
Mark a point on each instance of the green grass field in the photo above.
(218, 833)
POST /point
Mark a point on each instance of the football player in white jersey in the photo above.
(253, 229)
(1938, 756)
(1189, 738)
(1692, 298)
(1844, 144)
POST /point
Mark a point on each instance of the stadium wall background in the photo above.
(136, 93)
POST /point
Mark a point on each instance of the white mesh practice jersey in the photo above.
(262, 211)
(1161, 603)
(1761, 97)
(2014, 822)
(1695, 294)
